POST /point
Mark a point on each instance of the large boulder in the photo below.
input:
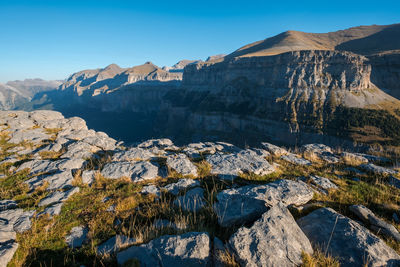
(189, 249)
(248, 203)
(273, 240)
(345, 239)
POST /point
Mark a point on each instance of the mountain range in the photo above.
(337, 87)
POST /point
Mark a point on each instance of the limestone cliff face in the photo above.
(99, 81)
(295, 87)
(300, 69)
(386, 72)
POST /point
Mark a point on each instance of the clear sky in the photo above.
(54, 38)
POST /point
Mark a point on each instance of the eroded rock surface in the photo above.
(189, 249)
(350, 242)
(273, 240)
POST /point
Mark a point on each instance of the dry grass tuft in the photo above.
(319, 259)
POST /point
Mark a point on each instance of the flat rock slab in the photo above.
(133, 154)
(229, 166)
(192, 201)
(248, 203)
(35, 136)
(77, 236)
(376, 224)
(114, 244)
(58, 196)
(294, 159)
(48, 166)
(175, 188)
(137, 171)
(273, 240)
(80, 150)
(189, 249)
(377, 169)
(181, 164)
(350, 242)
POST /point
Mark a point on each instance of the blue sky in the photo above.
(52, 39)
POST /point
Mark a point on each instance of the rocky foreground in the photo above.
(73, 196)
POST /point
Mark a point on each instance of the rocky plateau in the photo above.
(77, 197)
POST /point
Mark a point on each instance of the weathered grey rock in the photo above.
(346, 240)
(322, 182)
(377, 169)
(192, 201)
(248, 203)
(133, 154)
(114, 244)
(189, 249)
(80, 150)
(12, 221)
(52, 210)
(229, 166)
(102, 141)
(274, 150)
(376, 224)
(45, 115)
(175, 188)
(34, 136)
(137, 171)
(274, 240)
(7, 250)
(88, 177)
(181, 164)
(160, 143)
(58, 196)
(77, 236)
(316, 148)
(56, 146)
(76, 135)
(321, 151)
(59, 180)
(151, 189)
(372, 158)
(7, 204)
(292, 158)
(74, 123)
(48, 166)
(352, 157)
